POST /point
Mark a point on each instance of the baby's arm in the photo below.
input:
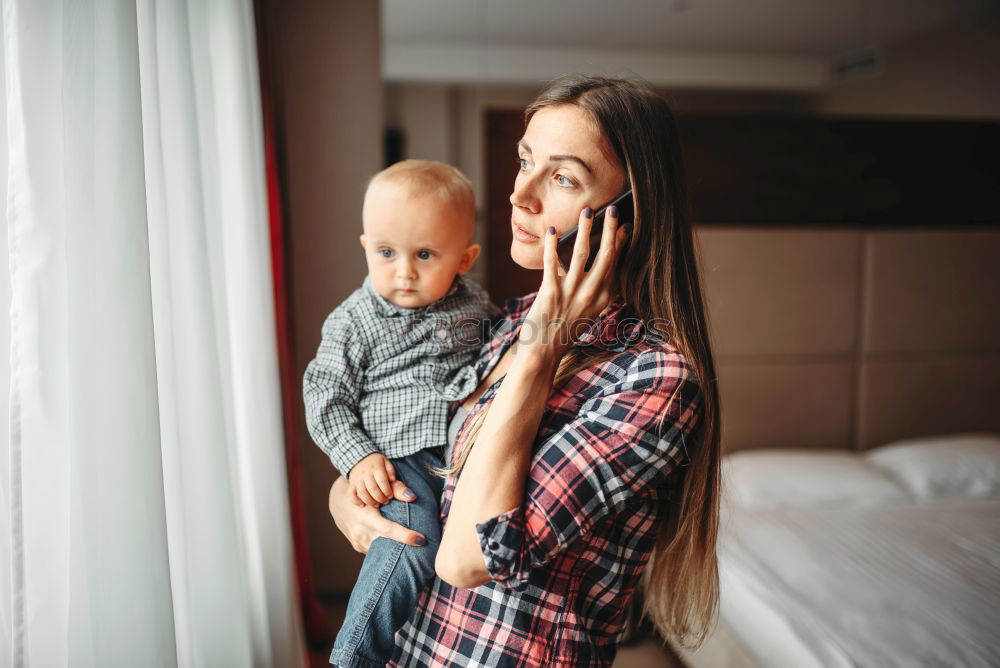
(332, 385)
(371, 480)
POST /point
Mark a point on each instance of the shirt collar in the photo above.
(388, 309)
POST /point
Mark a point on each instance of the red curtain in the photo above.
(317, 632)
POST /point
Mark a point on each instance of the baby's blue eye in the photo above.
(424, 255)
(385, 252)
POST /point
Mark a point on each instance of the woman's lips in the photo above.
(521, 234)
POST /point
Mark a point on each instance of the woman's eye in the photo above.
(385, 252)
(424, 255)
(523, 164)
(564, 181)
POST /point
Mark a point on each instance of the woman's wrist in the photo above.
(538, 358)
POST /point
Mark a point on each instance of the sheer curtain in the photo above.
(144, 472)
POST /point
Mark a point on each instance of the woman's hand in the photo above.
(363, 524)
(567, 303)
(493, 478)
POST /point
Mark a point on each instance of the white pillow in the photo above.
(944, 467)
(770, 479)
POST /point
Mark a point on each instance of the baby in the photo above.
(392, 357)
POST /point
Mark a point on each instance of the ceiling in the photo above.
(498, 40)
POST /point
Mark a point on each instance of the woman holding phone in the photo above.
(587, 460)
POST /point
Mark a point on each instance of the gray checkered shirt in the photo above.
(384, 375)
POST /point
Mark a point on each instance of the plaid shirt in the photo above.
(384, 374)
(565, 564)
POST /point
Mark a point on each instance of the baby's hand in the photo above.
(371, 480)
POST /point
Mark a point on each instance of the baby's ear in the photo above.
(469, 257)
(364, 242)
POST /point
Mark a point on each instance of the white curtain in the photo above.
(147, 517)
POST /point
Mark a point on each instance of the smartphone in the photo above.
(626, 214)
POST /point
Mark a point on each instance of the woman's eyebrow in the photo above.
(571, 158)
(559, 158)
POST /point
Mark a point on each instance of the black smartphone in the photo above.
(626, 214)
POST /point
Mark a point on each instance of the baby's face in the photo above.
(414, 245)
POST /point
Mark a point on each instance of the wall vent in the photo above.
(864, 62)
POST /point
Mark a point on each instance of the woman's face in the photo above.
(566, 165)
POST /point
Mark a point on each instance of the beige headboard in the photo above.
(841, 338)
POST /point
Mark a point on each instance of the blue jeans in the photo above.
(393, 574)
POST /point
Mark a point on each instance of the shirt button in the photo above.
(494, 545)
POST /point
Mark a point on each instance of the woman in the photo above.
(590, 453)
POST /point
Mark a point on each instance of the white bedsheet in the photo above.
(880, 586)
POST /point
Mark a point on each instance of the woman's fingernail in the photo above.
(588, 213)
(409, 495)
(552, 230)
(421, 541)
(613, 211)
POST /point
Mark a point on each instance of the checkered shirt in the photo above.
(566, 563)
(384, 374)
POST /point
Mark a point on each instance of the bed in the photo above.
(889, 557)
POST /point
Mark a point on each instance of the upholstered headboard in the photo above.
(845, 338)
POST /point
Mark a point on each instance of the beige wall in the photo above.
(843, 338)
(331, 98)
(429, 115)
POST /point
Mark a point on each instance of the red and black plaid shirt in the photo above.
(566, 563)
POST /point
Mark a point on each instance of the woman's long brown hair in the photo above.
(661, 285)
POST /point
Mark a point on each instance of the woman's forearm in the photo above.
(492, 481)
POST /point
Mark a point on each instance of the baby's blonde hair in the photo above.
(430, 177)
